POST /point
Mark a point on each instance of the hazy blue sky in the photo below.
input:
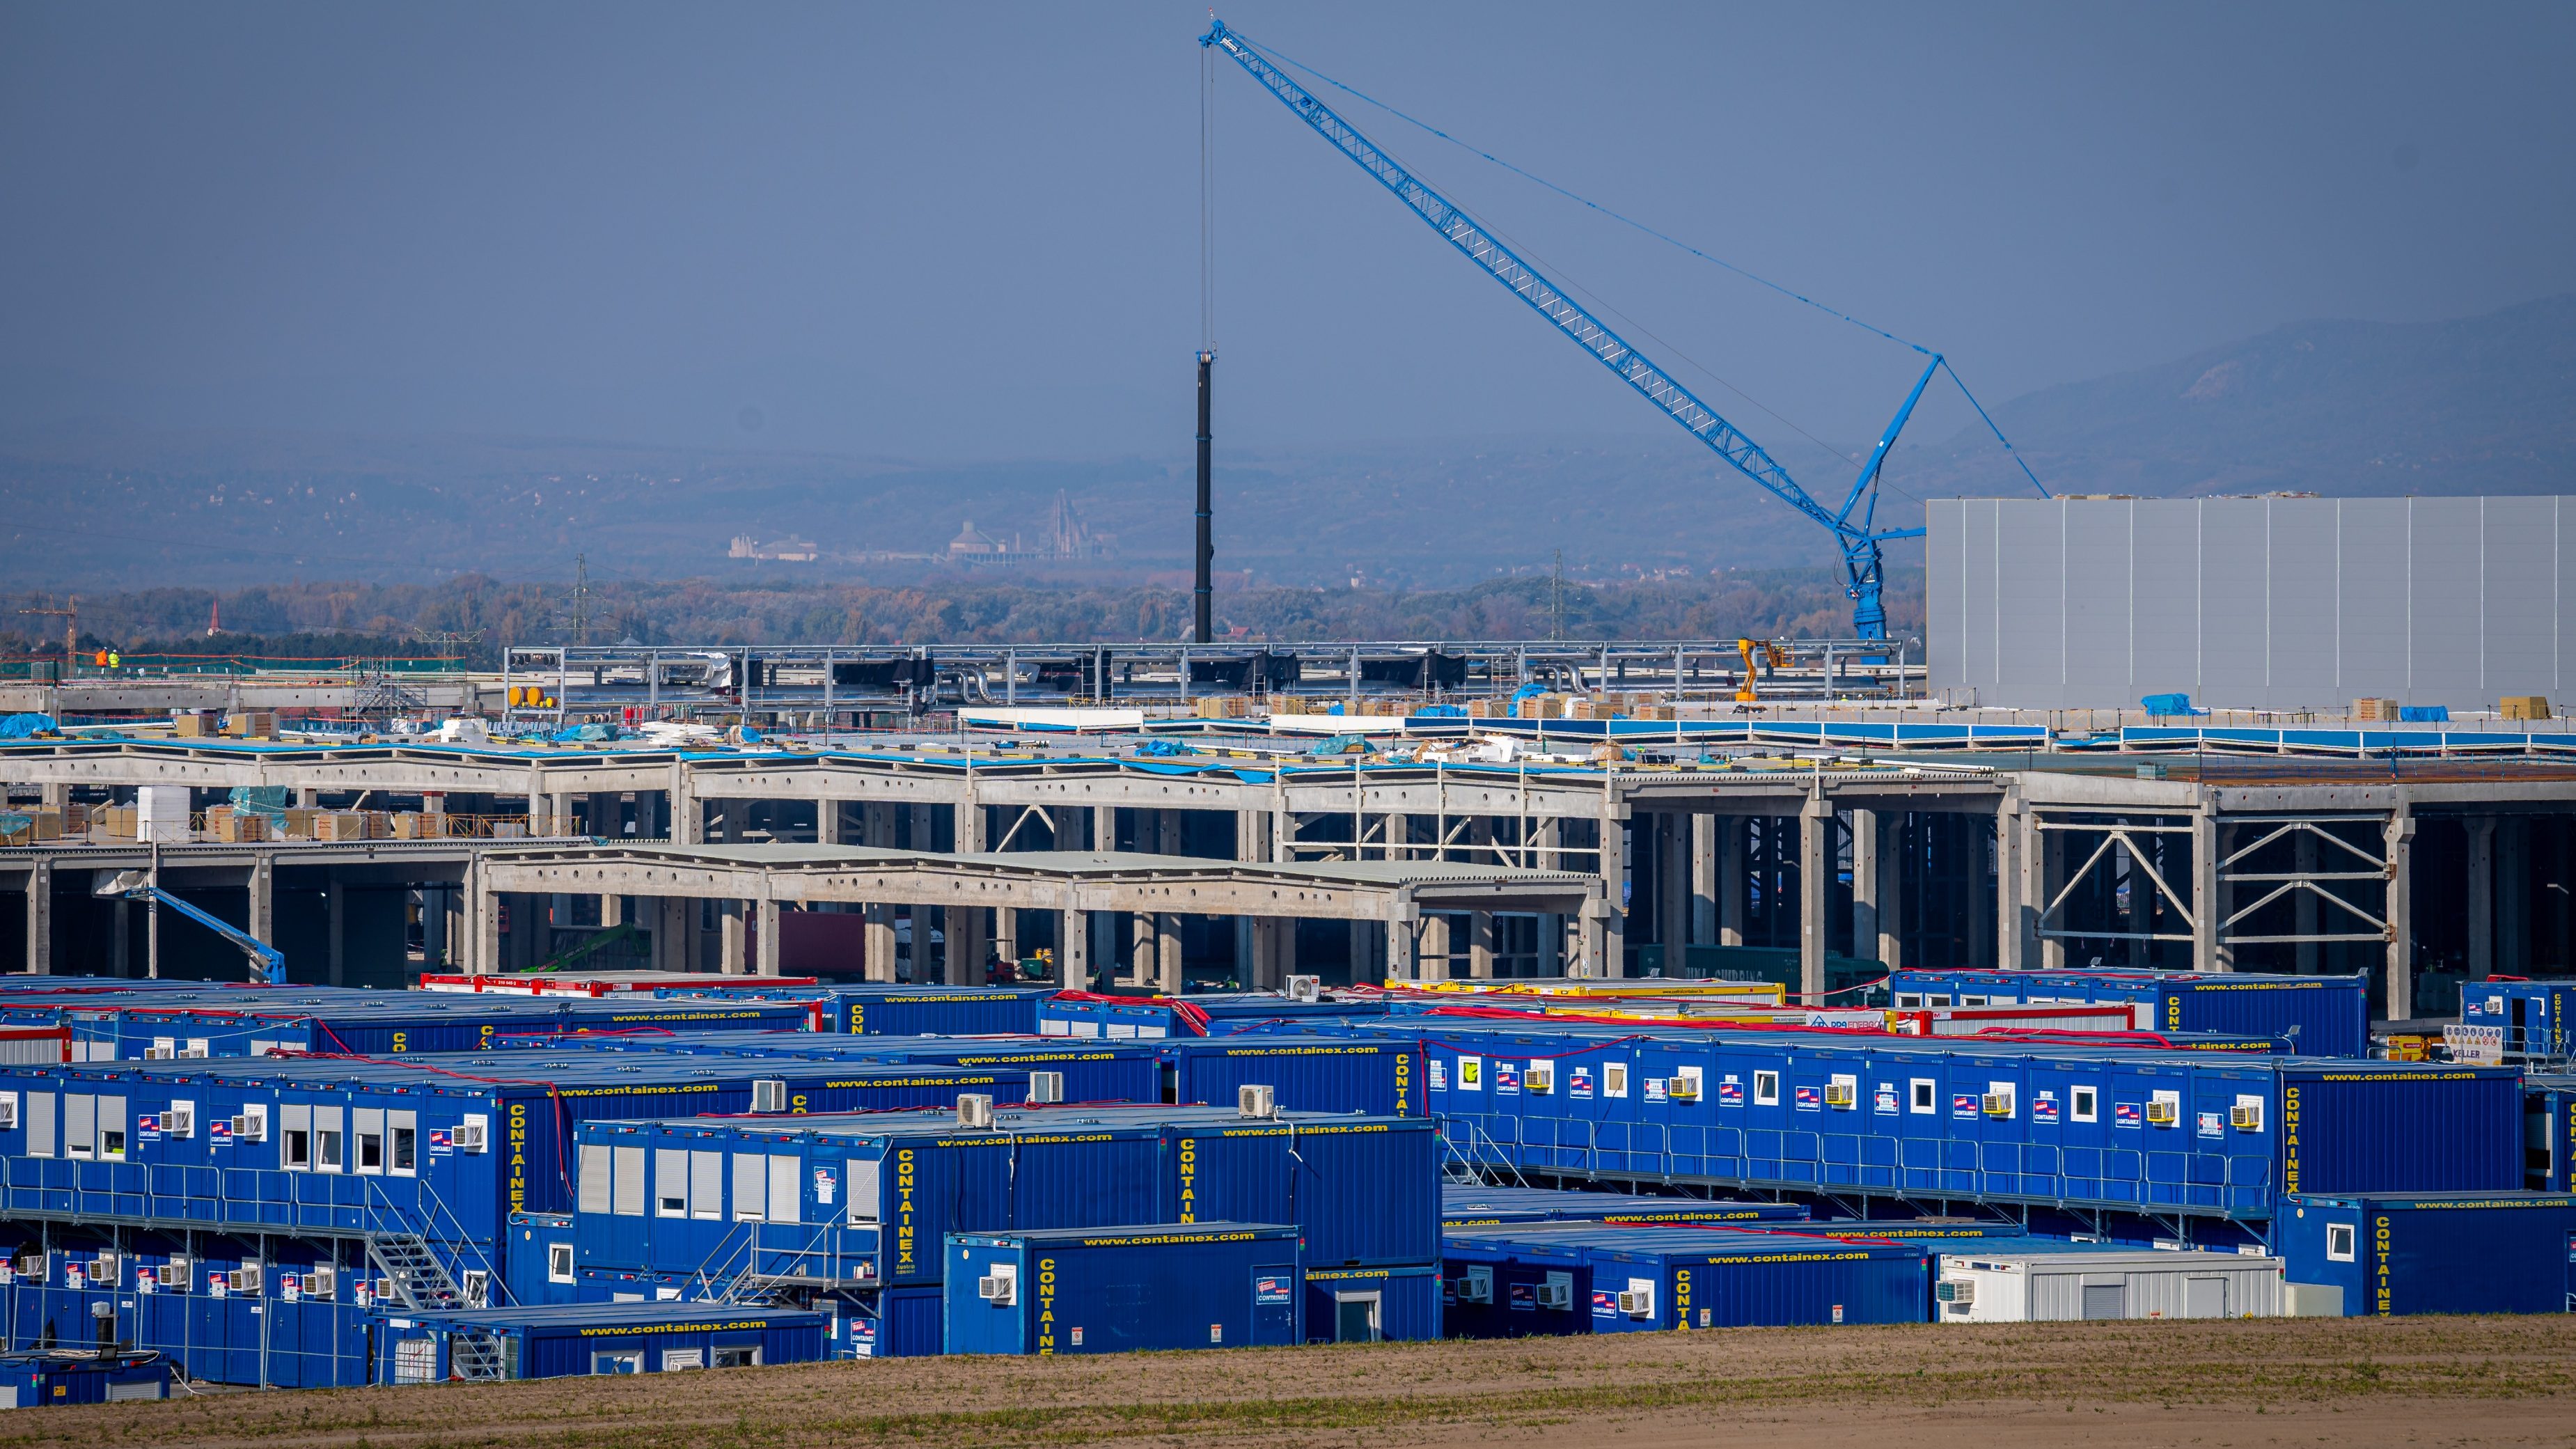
(969, 231)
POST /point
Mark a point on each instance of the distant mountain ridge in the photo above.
(2478, 405)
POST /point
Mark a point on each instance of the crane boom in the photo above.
(269, 962)
(1859, 544)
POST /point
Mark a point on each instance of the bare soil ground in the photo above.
(2428, 1381)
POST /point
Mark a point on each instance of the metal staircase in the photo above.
(418, 1278)
(474, 1356)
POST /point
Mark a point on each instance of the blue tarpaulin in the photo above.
(27, 726)
(2170, 704)
(2423, 714)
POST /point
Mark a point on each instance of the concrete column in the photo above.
(1250, 826)
(1104, 828)
(765, 957)
(612, 911)
(1167, 832)
(1815, 893)
(1545, 835)
(922, 836)
(1865, 882)
(262, 921)
(40, 919)
(1006, 935)
(1400, 963)
(2399, 837)
(652, 815)
(1167, 928)
(1073, 950)
(2011, 935)
(670, 933)
(1592, 943)
(1730, 879)
(1144, 954)
(688, 822)
(970, 941)
(2047, 861)
(1262, 973)
(827, 821)
(1704, 878)
(2207, 902)
(1980, 919)
(339, 950)
(2513, 895)
(1894, 840)
(306, 797)
(2482, 957)
(969, 823)
(487, 928)
(733, 955)
(1673, 887)
(1433, 953)
(434, 906)
(1614, 869)
(1361, 954)
(604, 810)
(1480, 945)
(2142, 906)
(880, 940)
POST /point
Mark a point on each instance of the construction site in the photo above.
(2182, 927)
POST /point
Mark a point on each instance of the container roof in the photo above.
(1210, 1231)
(646, 1317)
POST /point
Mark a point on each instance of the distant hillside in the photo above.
(2479, 405)
(2484, 404)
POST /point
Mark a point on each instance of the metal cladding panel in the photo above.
(2440, 1129)
(1220, 1286)
(1306, 1074)
(1409, 1306)
(1364, 1190)
(2505, 1253)
(2272, 602)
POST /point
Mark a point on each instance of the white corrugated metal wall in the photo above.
(2257, 603)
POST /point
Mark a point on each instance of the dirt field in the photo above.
(2461, 1381)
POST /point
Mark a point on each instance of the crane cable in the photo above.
(1625, 220)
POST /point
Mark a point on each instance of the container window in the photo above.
(558, 1262)
(1926, 1094)
(617, 1363)
(706, 1185)
(745, 1357)
(750, 1187)
(2339, 1242)
(2084, 1105)
(80, 1125)
(295, 1149)
(786, 1189)
(1909, 1000)
(406, 1151)
(40, 1124)
(1766, 1089)
(326, 1150)
(1614, 1079)
(371, 1152)
(863, 1192)
(670, 1183)
(591, 1184)
(629, 1182)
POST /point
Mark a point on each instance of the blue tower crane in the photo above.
(1853, 525)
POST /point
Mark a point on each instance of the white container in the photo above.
(2023, 1285)
(161, 813)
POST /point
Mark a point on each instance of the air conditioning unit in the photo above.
(1960, 1291)
(975, 1109)
(179, 1119)
(1842, 1094)
(1637, 1303)
(1305, 988)
(1540, 1078)
(102, 1269)
(768, 1094)
(1682, 1089)
(321, 1281)
(1998, 1104)
(1001, 1287)
(171, 1275)
(1476, 1285)
(163, 1049)
(1557, 1292)
(8, 1111)
(1252, 1099)
(470, 1135)
(2164, 1112)
(2246, 1116)
(251, 1125)
(244, 1279)
(197, 1047)
(1046, 1086)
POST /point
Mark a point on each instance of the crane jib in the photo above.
(1857, 544)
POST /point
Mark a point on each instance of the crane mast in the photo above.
(1853, 526)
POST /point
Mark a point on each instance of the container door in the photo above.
(2204, 1298)
(1355, 1317)
(2106, 1300)
(1274, 1305)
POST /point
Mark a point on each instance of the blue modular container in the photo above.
(1463, 1206)
(886, 1009)
(1305, 1073)
(2538, 1017)
(594, 1338)
(872, 1196)
(1369, 1305)
(220, 1308)
(37, 1378)
(1120, 1289)
(2389, 1254)
(446, 1145)
(2549, 1133)
(1646, 1278)
(1093, 1071)
(381, 1023)
(1965, 1121)
(537, 1260)
(1495, 1283)
(1214, 1014)
(887, 1323)
(2324, 1016)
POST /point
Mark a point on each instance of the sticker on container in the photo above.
(1654, 1089)
(1471, 1074)
(2125, 1114)
(1883, 1100)
(1809, 1099)
(1605, 1304)
(75, 1276)
(440, 1143)
(863, 1337)
(2043, 1108)
(1730, 1093)
(2212, 1124)
(1439, 1075)
(1272, 1288)
(219, 1133)
(1963, 1104)
(1525, 1298)
(826, 1184)
(218, 1285)
(145, 1280)
(1077, 1338)
(1507, 1079)
(147, 1127)
(290, 1287)
(1579, 1083)
(1838, 1313)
